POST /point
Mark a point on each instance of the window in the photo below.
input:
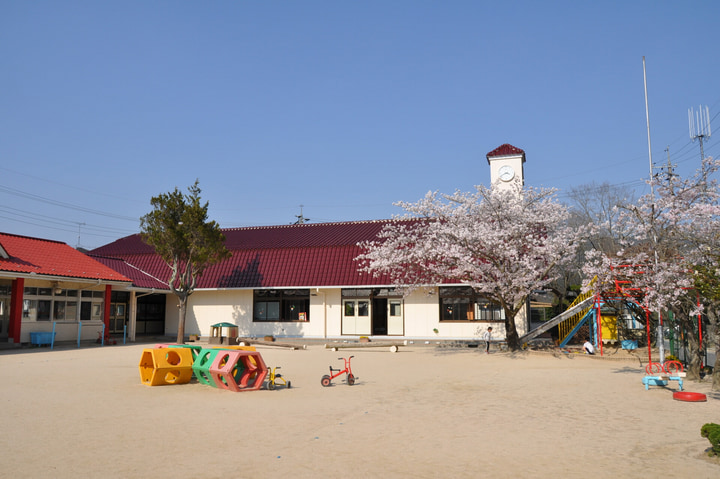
(489, 311)
(281, 305)
(395, 308)
(53, 304)
(37, 304)
(92, 306)
(359, 308)
(267, 311)
(461, 303)
(36, 310)
(64, 310)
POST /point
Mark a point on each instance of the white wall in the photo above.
(64, 331)
(422, 317)
(206, 308)
(420, 309)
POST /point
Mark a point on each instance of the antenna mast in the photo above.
(699, 122)
(300, 218)
(660, 337)
(80, 225)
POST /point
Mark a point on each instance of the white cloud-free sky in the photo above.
(343, 107)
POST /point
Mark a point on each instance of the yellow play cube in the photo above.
(164, 366)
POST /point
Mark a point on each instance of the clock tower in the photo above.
(506, 166)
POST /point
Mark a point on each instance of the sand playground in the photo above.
(425, 411)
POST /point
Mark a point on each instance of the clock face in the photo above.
(506, 173)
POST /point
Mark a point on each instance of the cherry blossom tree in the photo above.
(504, 243)
(699, 233)
(666, 246)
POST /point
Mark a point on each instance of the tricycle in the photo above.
(350, 378)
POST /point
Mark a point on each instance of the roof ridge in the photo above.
(306, 225)
(32, 238)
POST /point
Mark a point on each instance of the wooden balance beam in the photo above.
(255, 342)
(393, 347)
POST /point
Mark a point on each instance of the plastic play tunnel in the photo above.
(164, 366)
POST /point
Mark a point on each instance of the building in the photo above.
(302, 280)
(297, 280)
(48, 286)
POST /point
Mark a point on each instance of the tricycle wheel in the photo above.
(325, 381)
(271, 385)
(289, 385)
(350, 379)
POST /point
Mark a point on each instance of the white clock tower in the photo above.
(506, 166)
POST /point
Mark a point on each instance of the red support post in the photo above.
(700, 331)
(647, 324)
(106, 314)
(16, 309)
(599, 326)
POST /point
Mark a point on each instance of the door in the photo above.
(356, 317)
(395, 323)
(380, 317)
(117, 317)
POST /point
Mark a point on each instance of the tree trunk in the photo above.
(511, 334)
(181, 319)
(712, 311)
(695, 359)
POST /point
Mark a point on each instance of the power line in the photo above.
(26, 216)
(42, 199)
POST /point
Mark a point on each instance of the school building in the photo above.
(297, 280)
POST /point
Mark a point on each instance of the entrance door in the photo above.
(379, 317)
(117, 317)
(396, 325)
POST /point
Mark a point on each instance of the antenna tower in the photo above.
(700, 127)
(80, 225)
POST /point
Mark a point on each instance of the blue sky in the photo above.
(343, 107)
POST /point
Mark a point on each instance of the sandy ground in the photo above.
(422, 412)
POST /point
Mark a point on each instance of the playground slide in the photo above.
(586, 303)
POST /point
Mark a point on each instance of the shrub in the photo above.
(712, 432)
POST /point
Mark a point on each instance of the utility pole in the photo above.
(667, 172)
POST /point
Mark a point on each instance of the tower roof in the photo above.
(506, 150)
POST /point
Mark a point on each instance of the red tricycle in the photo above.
(327, 379)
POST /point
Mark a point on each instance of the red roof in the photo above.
(304, 255)
(139, 278)
(506, 150)
(25, 255)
